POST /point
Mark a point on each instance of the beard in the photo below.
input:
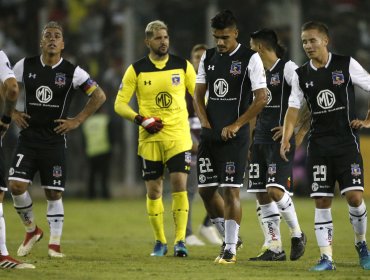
(160, 53)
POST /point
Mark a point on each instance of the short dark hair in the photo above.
(223, 19)
(270, 40)
(321, 27)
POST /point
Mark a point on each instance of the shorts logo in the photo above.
(11, 171)
(187, 157)
(44, 94)
(338, 78)
(220, 87)
(175, 79)
(202, 178)
(355, 170)
(315, 187)
(272, 169)
(60, 79)
(230, 168)
(325, 99)
(57, 171)
(275, 79)
(236, 68)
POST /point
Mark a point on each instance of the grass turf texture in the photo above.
(113, 240)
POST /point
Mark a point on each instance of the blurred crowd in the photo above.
(95, 34)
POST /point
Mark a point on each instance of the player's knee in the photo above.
(275, 193)
(53, 194)
(354, 198)
(263, 198)
(17, 188)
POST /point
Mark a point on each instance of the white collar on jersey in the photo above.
(55, 65)
(236, 49)
(326, 65)
(273, 66)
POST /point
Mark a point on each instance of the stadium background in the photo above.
(105, 36)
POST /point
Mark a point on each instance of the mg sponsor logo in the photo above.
(325, 99)
(44, 94)
(163, 100)
(220, 87)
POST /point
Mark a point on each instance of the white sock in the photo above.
(324, 231)
(23, 206)
(3, 249)
(55, 217)
(231, 235)
(271, 223)
(259, 217)
(358, 218)
(220, 225)
(287, 211)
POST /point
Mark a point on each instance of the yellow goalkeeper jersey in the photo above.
(160, 88)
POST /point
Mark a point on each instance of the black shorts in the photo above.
(221, 163)
(152, 170)
(49, 162)
(268, 169)
(2, 171)
(323, 172)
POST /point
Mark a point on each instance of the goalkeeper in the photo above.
(160, 81)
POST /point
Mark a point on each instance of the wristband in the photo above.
(6, 119)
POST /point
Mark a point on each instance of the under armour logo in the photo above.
(147, 83)
(231, 179)
(57, 182)
(310, 84)
(30, 75)
(211, 67)
(356, 181)
(271, 180)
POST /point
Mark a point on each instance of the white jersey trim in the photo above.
(5, 71)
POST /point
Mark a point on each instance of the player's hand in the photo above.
(278, 133)
(3, 128)
(229, 132)
(152, 124)
(65, 125)
(357, 124)
(284, 148)
(20, 119)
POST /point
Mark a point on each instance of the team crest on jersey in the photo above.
(60, 79)
(355, 170)
(338, 78)
(236, 68)
(272, 169)
(57, 171)
(230, 168)
(275, 79)
(175, 79)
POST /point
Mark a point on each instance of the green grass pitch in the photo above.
(113, 240)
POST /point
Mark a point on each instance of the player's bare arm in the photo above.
(9, 90)
(290, 120)
(357, 124)
(96, 100)
(200, 106)
(254, 109)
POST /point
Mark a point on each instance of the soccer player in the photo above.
(160, 81)
(327, 83)
(270, 177)
(49, 82)
(8, 98)
(230, 72)
(207, 230)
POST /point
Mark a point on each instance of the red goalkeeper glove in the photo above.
(151, 125)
